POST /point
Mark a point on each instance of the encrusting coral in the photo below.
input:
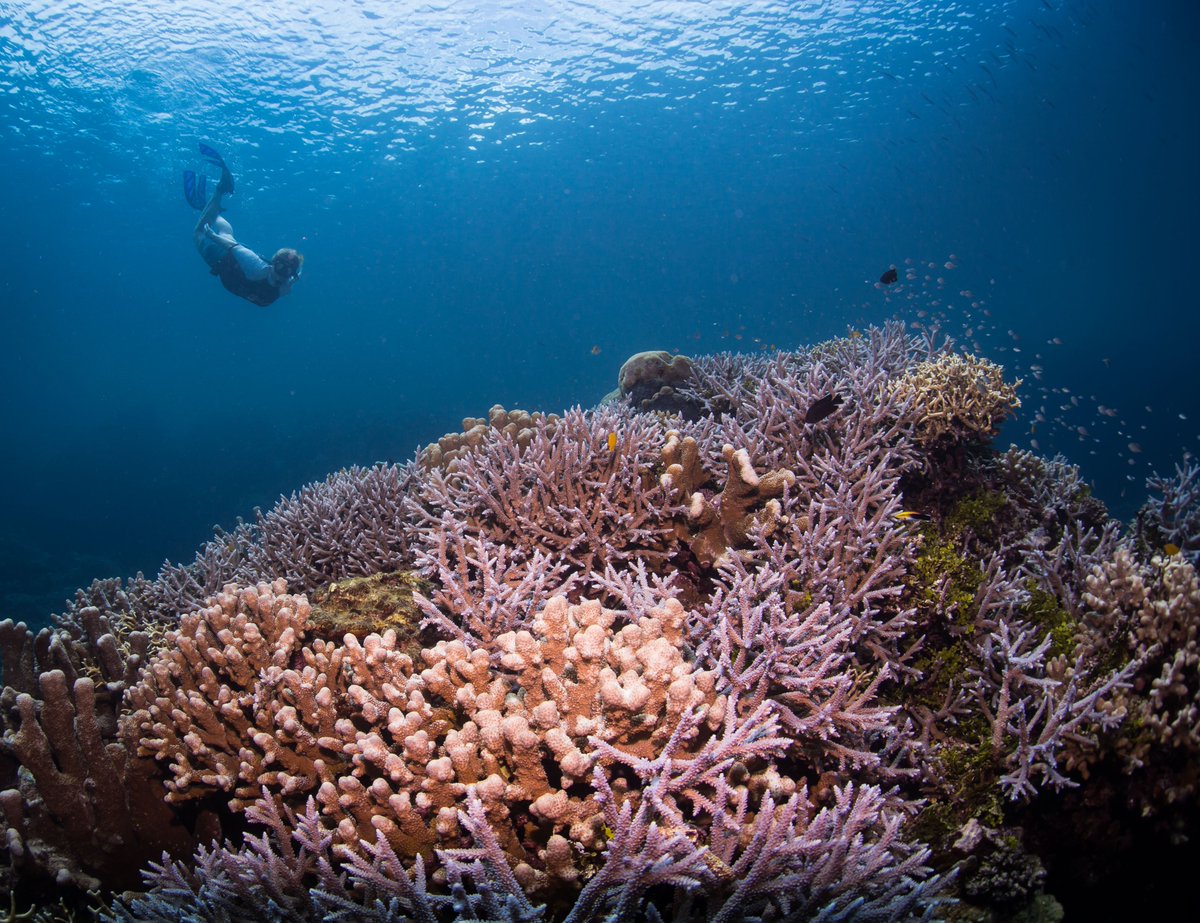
(368, 605)
(619, 665)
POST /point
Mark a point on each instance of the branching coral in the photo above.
(957, 397)
(567, 494)
(518, 425)
(770, 644)
(1172, 514)
(349, 525)
(483, 589)
(1043, 705)
(664, 664)
(1150, 614)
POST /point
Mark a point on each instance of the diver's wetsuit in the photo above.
(247, 275)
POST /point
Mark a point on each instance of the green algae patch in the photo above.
(369, 605)
(1044, 610)
(968, 772)
(977, 515)
(941, 577)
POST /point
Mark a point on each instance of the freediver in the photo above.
(240, 269)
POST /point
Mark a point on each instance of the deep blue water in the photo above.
(486, 193)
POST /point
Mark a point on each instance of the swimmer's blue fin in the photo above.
(194, 189)
(210, 154)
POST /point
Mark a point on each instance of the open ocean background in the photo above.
(500, 202)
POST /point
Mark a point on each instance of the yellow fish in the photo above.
(612, 442)
(910, 515)
(1170, 549)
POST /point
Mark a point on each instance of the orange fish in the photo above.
(612, 442)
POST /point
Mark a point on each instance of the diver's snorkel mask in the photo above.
(287, 267)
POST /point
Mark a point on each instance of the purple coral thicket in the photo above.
(830, 666)
(565, 498)
(1172, 514)
(350, 524)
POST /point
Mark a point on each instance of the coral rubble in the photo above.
(690, 661)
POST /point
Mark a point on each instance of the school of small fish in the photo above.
(1054, 418)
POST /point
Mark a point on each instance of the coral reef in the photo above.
(956, 397)
(518, 425)
(690, 664)
(1172, 514)
(650, 381)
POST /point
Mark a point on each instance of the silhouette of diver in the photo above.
(240, 269)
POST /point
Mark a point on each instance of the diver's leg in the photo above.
(212, 211)
(213, 235)
(225, 184)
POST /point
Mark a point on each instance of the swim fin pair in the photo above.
(195, 185)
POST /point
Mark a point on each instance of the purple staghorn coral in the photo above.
(669, 669)
(566, 494)
(1042, 705)
(1172, 514)
(767, 645)
(348, 525)
(483, 589)
(351, 524)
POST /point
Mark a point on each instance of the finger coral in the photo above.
(1151, 612)
(387, 746)
(719, 521)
